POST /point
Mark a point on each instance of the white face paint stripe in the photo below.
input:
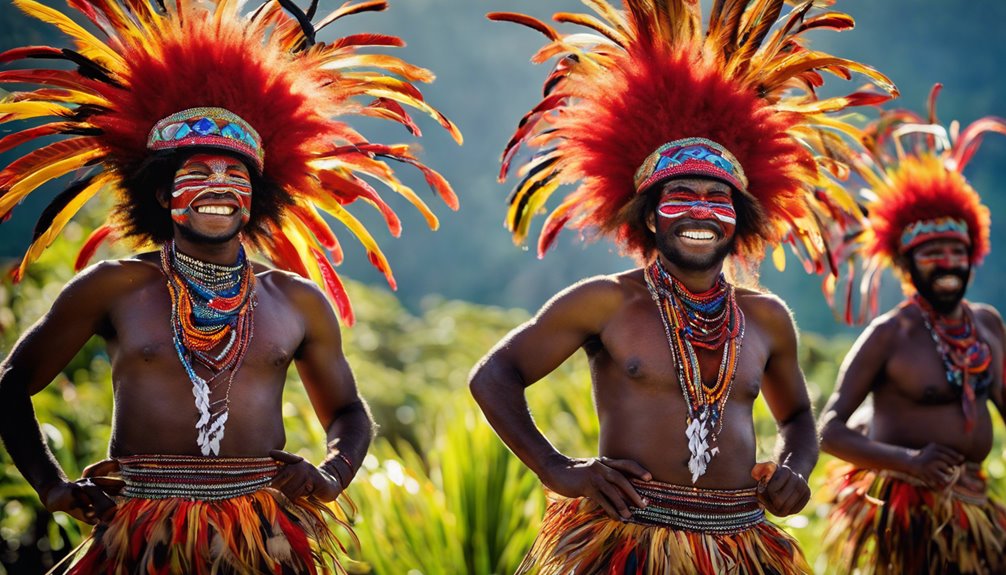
(724, 218)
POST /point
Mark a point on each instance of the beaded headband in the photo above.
(690, 157)
(933, 229)
(208, 128)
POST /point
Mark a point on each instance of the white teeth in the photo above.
(218, 210)
(698, 235)
(948, 282)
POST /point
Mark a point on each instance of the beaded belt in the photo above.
(189, 477)
(716, 511)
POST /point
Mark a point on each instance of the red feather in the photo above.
(334, 288)
(90, 246)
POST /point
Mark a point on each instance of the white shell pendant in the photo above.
(698, 445)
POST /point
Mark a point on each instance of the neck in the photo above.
(953, 315)
(224, 254)
(697, 281)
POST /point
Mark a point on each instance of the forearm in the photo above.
(797, 447)
(348, 439)
(502, 400)
(854, 447)
(22, 438)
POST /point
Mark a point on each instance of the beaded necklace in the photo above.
(211, 319)
(708, 320)
(963, 354)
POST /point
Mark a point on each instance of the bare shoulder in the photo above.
(989, 317)
(765, 308)
(293, 286)
(888, 328)
(116, 276)
(604, 294)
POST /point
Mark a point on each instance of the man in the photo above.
(209, 163)
(665, 141)
(914, 499)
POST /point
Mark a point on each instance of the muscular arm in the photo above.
(785, 392)
(529, 353)
(79, 312)
(330, 385)
(862, 367)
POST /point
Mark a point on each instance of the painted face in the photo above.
(940, 270)
(211, 187)
(716, 206)
(695, 222)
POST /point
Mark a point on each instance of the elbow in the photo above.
(829, 433)
(490, 378)
(478, 382)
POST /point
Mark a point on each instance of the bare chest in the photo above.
(635, 349)
(144, 332)
(916, 370)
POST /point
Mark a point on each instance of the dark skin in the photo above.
(917, 425)
(640, 405)
(127, 303)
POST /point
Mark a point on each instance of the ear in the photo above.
(651, 221)
(163, 195)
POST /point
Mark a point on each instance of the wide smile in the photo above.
(948, 283)
(215, 204)
(697, 233)
(218, 210)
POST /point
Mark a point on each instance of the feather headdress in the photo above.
(916, 191)
(650, 75)
(265, 68)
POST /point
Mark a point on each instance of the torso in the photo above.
(640, 404)
(913, 403)
(155, 410)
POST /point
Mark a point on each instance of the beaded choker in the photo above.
(963, 354)
(708, 320)
(212, 324)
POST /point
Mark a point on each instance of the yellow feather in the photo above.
(531, 208)
(87, 44)
(390, 63)
(26, 184)
(11, 111)
(380, 171)
(61, 219)
(779, 257)
(361, 233)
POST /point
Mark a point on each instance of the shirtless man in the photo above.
(216, 130)
(644, 457)
(932, 365)
(683, 154)
(128, 304)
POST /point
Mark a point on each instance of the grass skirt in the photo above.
(889, 524)
(258, 532)
(578, 538)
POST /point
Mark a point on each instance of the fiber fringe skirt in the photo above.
(683, 531)
(884, 523)
(212, 516)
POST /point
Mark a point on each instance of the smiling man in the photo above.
(220, 134)
(689, 168)
(914, 498)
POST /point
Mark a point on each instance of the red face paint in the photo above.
(212, 184)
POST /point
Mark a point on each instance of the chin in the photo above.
(197, 236)
(692, 260)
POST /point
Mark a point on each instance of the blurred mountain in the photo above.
(485, 83)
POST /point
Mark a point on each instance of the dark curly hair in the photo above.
(144, 218)
(631, 218)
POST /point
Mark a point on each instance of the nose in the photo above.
(701, 211)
